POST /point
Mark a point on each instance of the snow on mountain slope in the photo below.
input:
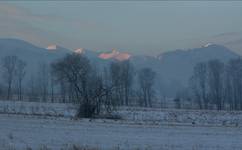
(115, 55)
(88, 53)
(31, 54)
(28, 51)
(52, 47)
(79, 50)
(58, 50)
(34, 56)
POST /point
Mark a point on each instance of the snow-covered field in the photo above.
(132, 114)
(182, 117)
(18, 132)
(36, 108)
(25, 125)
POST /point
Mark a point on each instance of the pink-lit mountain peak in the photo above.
(51, 47)
(115, 54)
(79, 50)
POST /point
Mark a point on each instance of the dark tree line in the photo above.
(217, 85)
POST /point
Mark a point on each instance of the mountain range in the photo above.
(173, 68)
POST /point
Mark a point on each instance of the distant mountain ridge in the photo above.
(173, 68)
(177, 66)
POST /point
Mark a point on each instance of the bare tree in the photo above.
(115, 75)
(63, 89)
(121, 73)
(52, 86)
(233, 84)
(127, 80)
(111, 99)
(71, 93)
(43, 81)
(9, 68)
(32, 88)
(218, 84)
(215, 82)
(88, 86)
(20, 72)
(146, 79)
(199, 85)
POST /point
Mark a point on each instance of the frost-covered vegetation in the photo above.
(138, 115)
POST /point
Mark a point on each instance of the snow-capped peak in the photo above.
(80, 50)
(207, 45)
(115, 51)
(115, 54)
(52, 47)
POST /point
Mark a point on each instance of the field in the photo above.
(31, 131)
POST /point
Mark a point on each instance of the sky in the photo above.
(139, 27)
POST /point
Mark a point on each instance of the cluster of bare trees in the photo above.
(19, 84)
(95, 90)
(121, 75)
(217, 85)
(13, 73)
(124, 78)
(73, 79)
(87, 86)
(146, 77)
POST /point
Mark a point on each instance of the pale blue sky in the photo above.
(138, 27)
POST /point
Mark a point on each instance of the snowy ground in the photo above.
(38, 125)
(36, 108)
(20, 132)
(182, 117)
(138, 115)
